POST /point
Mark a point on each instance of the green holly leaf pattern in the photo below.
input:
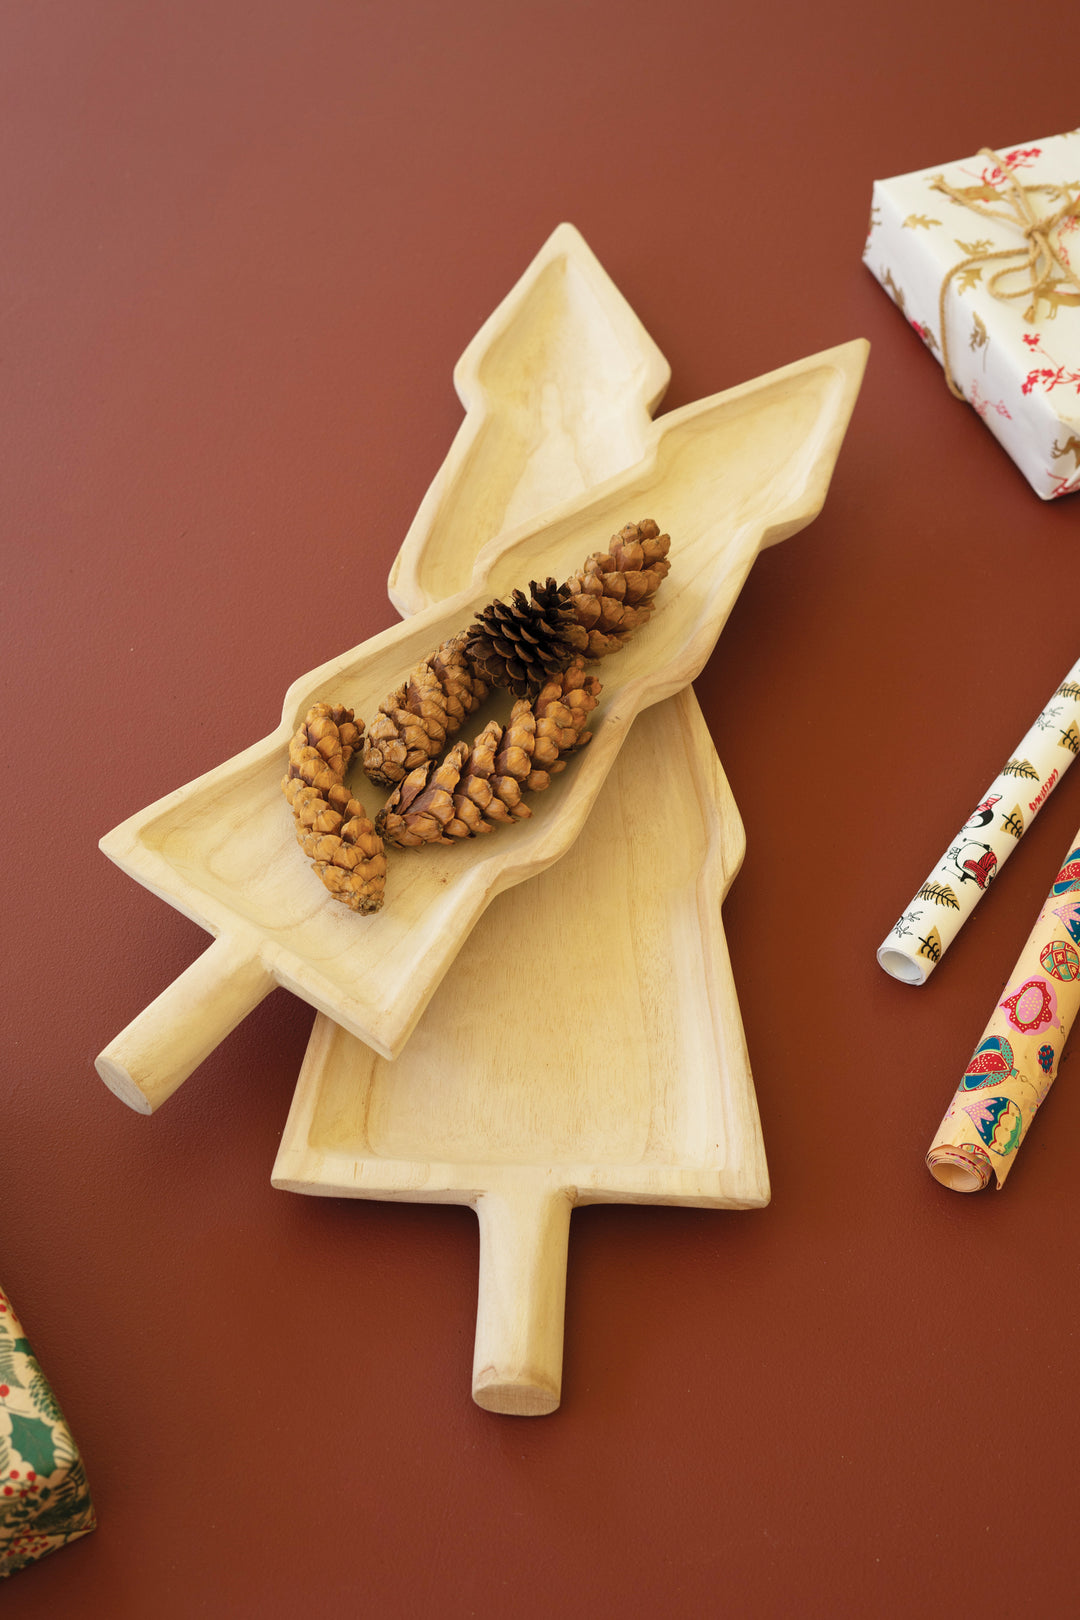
(33, 1440)
(43, 1398)
(8, 1363)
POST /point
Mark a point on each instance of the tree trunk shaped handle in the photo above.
(517, 1367)
(159, 1049)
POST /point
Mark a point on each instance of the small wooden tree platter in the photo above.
(725, 476)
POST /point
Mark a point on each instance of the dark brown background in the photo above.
(245, 243)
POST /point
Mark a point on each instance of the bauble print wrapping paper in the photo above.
(1016, 360)
(1017, 1059)
(44, 1497)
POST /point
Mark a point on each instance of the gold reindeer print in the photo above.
(895, 293)
(1054, 299)
(1071, 447)
(919, 222)
(985, 193)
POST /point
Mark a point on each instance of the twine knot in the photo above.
(1043, 263)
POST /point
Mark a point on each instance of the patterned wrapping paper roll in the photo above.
(1015, 1063)
(919, 939)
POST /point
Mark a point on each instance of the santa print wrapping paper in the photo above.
(44, 1496)
(1017, 360)
(920, 937)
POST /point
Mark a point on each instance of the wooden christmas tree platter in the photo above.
(726, 476)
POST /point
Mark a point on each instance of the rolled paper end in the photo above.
(939, 909)
(962, 1169)
(899, 965)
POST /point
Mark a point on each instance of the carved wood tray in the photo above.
(726, 476)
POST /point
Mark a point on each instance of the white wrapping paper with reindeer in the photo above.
(983, 258)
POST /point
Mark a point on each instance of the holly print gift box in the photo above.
(44, 1497)
(983, 258)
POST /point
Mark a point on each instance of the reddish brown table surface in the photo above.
(244, 245)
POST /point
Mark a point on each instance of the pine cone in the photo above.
(522, 643)
(612, 595)
(414, 722)
(474, 789)
(321, 750)
(332, 828)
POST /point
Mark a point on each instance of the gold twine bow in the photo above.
(1041, 260)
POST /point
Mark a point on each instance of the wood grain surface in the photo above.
(245, 248)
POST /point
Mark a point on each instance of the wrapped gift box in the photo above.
(1015, 358)
(44, 1497)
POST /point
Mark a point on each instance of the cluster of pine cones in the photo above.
(535, 646)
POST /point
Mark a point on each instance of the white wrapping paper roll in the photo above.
(920, 937)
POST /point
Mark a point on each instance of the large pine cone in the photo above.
(520, 644)
(474, 789)
(612, 596)
(332, 828)
(414, 722)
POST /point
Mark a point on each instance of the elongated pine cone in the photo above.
(414, 722)
(520, 644)
(612, 596)
(474, 789)
(332, 828)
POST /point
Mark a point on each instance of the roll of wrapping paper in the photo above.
(920, 938)
(1015, 1063)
